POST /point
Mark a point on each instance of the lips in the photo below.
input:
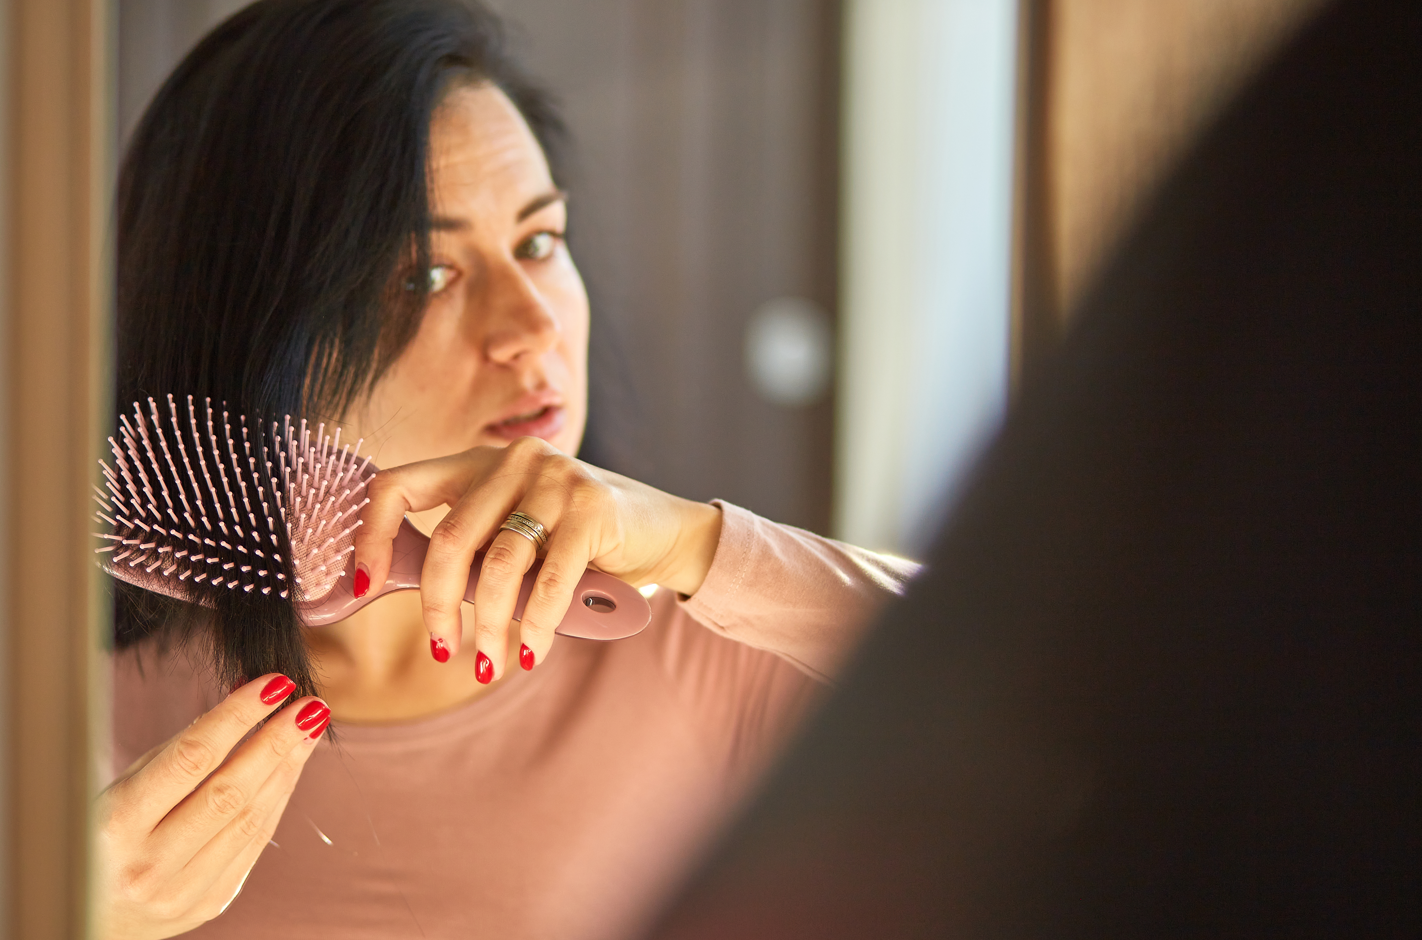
(539, 415)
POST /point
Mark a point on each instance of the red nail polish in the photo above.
(276, 690)
(525, 656)
(312, 714)
(319, 729)
(439, 651)
(362, 581)
(484, 668)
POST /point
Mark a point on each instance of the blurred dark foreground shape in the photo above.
(1164, 678)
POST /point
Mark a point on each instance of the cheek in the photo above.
(569, 299)
(436, 354)
(433, 362)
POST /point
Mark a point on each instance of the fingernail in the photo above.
(484, 668)
(276, 690)
(312, 714)
(525, 656)
(438, 650)
(362, 581)
(320, 728)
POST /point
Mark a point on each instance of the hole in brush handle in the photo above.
(603, 608)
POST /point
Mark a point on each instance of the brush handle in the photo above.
(603, 608)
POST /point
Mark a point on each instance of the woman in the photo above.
(344, 208)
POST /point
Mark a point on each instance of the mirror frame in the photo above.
(55, 266)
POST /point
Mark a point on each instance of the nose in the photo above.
(519, 325)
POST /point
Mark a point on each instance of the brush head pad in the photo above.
(198, 501)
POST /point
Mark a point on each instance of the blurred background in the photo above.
(825, 239)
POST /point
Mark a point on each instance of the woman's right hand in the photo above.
(179, 831)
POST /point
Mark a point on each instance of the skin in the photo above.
(504, 336)
(173, 845)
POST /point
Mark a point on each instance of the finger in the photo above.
(216, 872)
(235, 878)
(471, 523)
(500, 579)
(146, 797)
(208, 895)
(563, 492)
(411, 488)
(569, 551)
(227, 795)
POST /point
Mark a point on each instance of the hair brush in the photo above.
(200, 505)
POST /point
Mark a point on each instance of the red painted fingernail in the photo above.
(484, 668)
(276, 690)
(362, 581)
(320, 728)
(525, 656)
(312, 714)
(438, 650)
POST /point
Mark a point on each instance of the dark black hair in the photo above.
(273, 236)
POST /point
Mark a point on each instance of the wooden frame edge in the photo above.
(57, 167)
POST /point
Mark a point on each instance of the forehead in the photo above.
(482, 149)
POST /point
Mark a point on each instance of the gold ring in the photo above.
(523, 524)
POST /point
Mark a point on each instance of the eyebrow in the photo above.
(445, 224)
(547, 199)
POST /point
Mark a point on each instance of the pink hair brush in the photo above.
(196, 503)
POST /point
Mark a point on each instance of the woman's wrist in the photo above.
(695, 548)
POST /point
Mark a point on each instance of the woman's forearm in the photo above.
(791, 592)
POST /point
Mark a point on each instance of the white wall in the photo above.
(926, 212)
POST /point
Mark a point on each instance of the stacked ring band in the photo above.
(525, 525)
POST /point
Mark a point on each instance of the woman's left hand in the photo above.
(593, 518)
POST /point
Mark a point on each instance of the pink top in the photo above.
(566, 801)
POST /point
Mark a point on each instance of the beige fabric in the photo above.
(564, 802)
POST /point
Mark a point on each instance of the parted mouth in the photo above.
(529, 406)
(541, 414)
(527, 416)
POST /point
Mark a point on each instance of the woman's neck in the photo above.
(375, 667)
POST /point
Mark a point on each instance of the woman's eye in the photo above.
(537, 246)
(440, 277)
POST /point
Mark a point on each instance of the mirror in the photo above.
(795, 221)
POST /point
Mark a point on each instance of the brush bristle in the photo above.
(240, 496)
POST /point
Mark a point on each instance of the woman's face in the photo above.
(502, 349)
